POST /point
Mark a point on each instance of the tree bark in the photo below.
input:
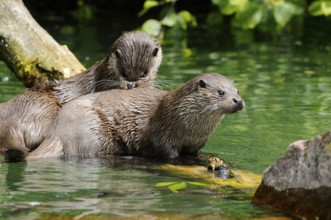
(28, 50)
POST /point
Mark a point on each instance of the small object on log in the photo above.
(219, 167)
(216, 164)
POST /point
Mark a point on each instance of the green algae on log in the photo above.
(243, 180)
(29, 51)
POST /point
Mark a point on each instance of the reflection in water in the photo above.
(120, 186)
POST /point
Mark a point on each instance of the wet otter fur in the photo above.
(146, 122)
(132, 61)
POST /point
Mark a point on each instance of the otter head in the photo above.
(220, 93)
(135, 57)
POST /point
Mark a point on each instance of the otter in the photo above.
(132, 61)
(146, 122)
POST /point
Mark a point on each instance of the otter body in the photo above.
(147, 121)
(132, 61)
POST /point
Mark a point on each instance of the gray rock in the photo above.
(299, 183)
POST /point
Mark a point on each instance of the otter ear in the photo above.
(155, 51)
(202, 83)
(118, 54)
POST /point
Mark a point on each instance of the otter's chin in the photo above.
(236, 108)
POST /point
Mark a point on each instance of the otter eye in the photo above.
(238, 92)
(221, 93)
(155, 52)
(145, 73)
(118, 54)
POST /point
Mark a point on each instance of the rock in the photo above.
(299, 183)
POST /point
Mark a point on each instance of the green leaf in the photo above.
(164, 183)
(170, 20)
(249, 18)
(318, 8)
(315, 9)
(148, 4)
(152, 26)
(283, 13)
(176, 187)
(188, 17)
(238, 3)
(326, 8)
(226, 8)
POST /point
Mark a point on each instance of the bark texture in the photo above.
(28, 50)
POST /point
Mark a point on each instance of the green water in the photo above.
(287, 88)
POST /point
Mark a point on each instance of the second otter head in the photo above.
(135, 57)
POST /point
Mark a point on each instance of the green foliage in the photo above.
(269, 16)
(169, 17)
(250, 14)
(321, 7)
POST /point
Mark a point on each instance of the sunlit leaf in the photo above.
(170, 20)
(326, 8)
(238, 3)
(164, 183)
(176, 187)
(188, 17)
(249, 18)
(318, 8)
(226, 8)
(152, 26)
(150, 4)
(283, 13)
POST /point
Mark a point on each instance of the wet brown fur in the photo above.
(133, 60)
(146, 121)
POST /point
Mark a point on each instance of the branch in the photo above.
(28, 50)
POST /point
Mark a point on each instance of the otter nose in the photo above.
(131, 85)
(238, 101)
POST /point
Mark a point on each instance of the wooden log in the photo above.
(28, 50)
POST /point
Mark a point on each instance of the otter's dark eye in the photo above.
(118, 54)
(145, 73)
(221, 93)
(238, 92)
(155, 52)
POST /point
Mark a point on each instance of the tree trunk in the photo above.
(28, 50)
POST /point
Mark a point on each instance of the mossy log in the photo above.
(28, 50)
(242, 180)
